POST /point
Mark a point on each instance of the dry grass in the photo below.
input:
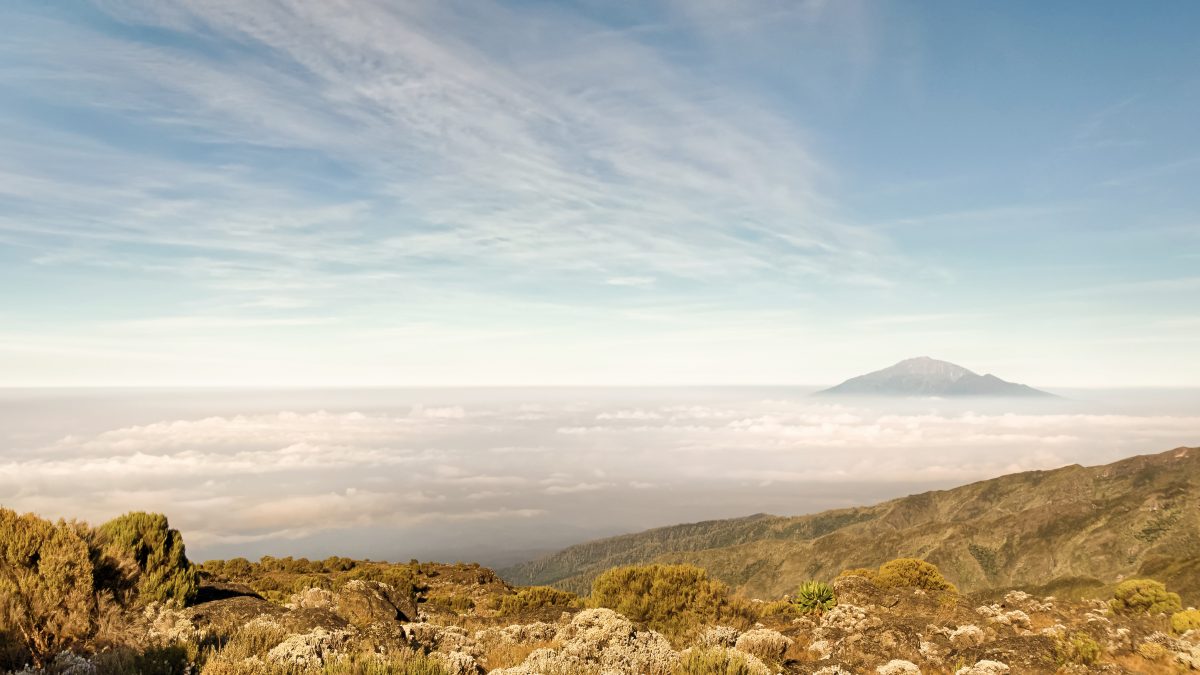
(1135, 663)
(798, 650)
(1037, 622)
(509, 655)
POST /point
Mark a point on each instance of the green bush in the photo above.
(450, 602)
(165, 574)
(912, 572)
(536, 597)
(1188, 619)
(1078, 648)
(1143, 596)
(675, 600)
(781, 609)
(46, 586)
(814, 597)
(713, 662)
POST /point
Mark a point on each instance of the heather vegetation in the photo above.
(48, 600)
(1188, 619)
(675, 600)
(1143, 596)
(1133, 518)
(123, 599)
(163, 571)
(911, 573)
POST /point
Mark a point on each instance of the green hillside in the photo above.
(1061, 528)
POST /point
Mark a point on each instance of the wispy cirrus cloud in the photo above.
(588, 195)
(583, 144)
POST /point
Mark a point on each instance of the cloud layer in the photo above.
(442, 479)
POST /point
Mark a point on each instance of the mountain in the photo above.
(924, 376)
(1060, 530)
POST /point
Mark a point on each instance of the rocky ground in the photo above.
(871, 630)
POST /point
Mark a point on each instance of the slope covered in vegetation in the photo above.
(1069, 530)
(58, 616)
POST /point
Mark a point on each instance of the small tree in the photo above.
(1143, 596)
(46, 586)
(165, 574)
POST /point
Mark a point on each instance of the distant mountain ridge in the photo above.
(1059, 529)
(923, 376)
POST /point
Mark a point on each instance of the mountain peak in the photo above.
(925, 376)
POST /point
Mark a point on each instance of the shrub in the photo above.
(46, 586)
(714, 662)
(536, 597)
(764, 643)
(814, 597)
(672, 599)
(1143, 596)
(912, 572)
(164, 571)
(238, 568)
(783, 609)
(1188, 619)
(307, 581)
(1077, 648)
(1152, 651)
(451, 602)
(174, 659)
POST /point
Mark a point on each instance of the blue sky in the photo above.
(457, 193)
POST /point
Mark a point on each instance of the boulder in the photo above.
(363, 603)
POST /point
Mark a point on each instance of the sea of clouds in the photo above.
(499, 475)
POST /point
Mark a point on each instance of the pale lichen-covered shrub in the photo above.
(1143, 596)
(719, 636)
(46, 586)
(458, 663)
(165, 575)
(814, 597)
(898, 667)
(599, 641)
(985, 667)
(307, 650)
(912, 572)
(1188, 619)
(968, 635)
(766, 644)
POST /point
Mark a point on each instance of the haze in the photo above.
(498, 475)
